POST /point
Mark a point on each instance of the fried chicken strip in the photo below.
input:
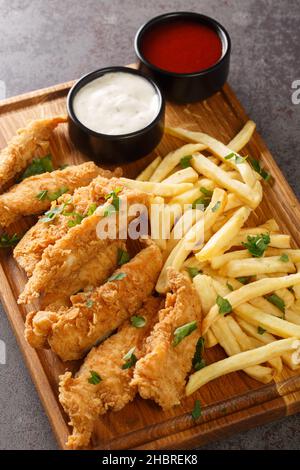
(161, 374)
(62, 262)
(29, 250)
(83, 401)
(39, 325)
(96, 314)
(22, 148)
(33, 195)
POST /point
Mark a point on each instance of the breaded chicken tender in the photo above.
(29, 250)
(22, 148)
(84, 401)
(62, 262)
(96, 314)
(34, 194)
(161, 374)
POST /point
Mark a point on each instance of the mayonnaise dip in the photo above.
(117, 103)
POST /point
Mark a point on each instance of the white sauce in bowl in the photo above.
(116, 103)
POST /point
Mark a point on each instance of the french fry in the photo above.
(210, 340)
(273, 324)
(243, 360)
(157, 189)
(218, 261)
(222, 151)
(276, 240)
(219, 149)
(193, 237)
(250, 291)
(146, 174)
(230, 345)
(250, 196)
(193, 194)
(206, 292)
(187, 175)
(157, 220)
(232, 202)
(186, 221)
(247, 343)
(236, 144)
(219, 241)
(266, 338)
(253, 266)
(173, 159)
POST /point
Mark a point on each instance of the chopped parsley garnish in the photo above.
(196, 413)
(123, 257)
(38, 166)
(261, 171)
(42, 195)
(51, 196)
(216, 206)
(95, 378)
(193, 271)
(257, 244)
(277, 301)
(91, 209)
(244, 280)
(115, 203)
(138, 321)
(206, 192)
(260, 330)
(203, 200)
(56, 194)
(185, 162)
(237, 158)
(224, 305)
(76, 218)
(284, 257)
(130, 359)
(89, 303)
(116, 277)
(230, 287)
(50, 215)
(198, 361)
(6, 241)
(182, 331)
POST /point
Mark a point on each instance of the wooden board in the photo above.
(230, 404)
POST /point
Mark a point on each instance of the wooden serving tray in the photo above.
(230, 404)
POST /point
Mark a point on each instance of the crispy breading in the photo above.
(22, 199)
(22, 148)
(161, 374)
(85, 402)
(29, 250)
(96, 314)
(61, 262)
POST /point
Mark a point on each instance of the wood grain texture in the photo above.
(230, 404)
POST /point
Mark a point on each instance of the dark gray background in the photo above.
(43, 42)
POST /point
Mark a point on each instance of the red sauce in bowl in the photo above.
(182, 46)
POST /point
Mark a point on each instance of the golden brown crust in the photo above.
(21, 199)
(97, 313)
(62, 261)
(85, 402)
(160, 375)
(22, 148)
(30, 249)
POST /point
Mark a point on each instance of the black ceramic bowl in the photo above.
(112, 149)
(186, 87)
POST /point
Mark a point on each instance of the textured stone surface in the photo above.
(47, 42)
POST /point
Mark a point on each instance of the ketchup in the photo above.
(182, 46)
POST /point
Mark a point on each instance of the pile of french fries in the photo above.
(250, 303)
